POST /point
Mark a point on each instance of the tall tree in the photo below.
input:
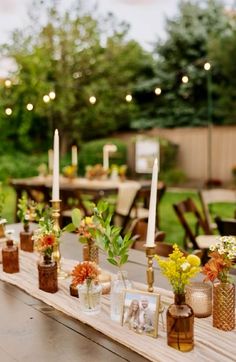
(76, 56)
(183, 53)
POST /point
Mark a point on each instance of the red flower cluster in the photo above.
(216, 266)
(83, 271)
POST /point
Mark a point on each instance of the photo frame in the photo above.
(140, 312)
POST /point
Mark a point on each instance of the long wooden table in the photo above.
(31, 330)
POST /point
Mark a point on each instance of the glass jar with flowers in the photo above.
(180, 317)
(46, 239)
(109, 238)
(26, 236)
(85, 275)
(222, 258)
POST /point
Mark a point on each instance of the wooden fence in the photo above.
(193, 150)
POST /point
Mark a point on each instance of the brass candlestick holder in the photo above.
(150, 252)
(56, 252)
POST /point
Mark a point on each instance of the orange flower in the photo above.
(83, 271)
(49, 240)
(216, 265)
(211, 270)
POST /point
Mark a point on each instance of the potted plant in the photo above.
(26, 236)
(85, 275)
(180, 317)
(46, 239)
(222, 258)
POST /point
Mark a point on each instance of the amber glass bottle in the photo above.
(10, 258)
(180, 320)
(26, 241)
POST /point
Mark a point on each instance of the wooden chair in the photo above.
(226, 227)
(210, 197)
(139, 233)
(198, 241)
(140, 207)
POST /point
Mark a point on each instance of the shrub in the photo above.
(92, 153)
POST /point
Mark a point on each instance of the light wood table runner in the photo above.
(210, 344)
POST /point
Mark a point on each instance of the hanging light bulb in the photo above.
(158, 91)
(92, 100)
(8, 111)
(128, 97)
(29, 107)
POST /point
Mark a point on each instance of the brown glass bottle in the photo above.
(180, 321)
(10, 258)
(47, 273)
(26, 241)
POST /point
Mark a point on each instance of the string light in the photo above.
(46, 98)
(158, 91)
(207, 66)
(29, 107)
(92, 100)
(8, 111)
(52, 95)
(128, 98)
(185, 79)
(7, 83)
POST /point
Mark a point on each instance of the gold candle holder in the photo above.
(56, 252)
(150, 252)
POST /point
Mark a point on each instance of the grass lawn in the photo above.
(168, 219)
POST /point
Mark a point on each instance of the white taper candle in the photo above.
(55, 183)
(152, 207)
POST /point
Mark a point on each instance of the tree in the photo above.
(68, 55)
(183, 53)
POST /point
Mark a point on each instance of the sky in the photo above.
(146, 17)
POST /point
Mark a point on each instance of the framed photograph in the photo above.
(146, 150)
(140, 312)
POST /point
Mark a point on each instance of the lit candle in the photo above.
(55, 183)
(50, 161)
(152, 207)
(74, 156)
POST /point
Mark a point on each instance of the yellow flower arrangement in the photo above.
(179, 269)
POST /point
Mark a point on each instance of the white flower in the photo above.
(185, 266)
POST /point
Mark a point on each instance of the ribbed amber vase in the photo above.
(91, 252)
(224, 306)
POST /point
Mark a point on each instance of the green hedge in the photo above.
(91, 153)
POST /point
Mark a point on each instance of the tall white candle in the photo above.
(106, 150)
(105, 159)
(152, 207)
(74, 156)
(55, 182)
(50, 160)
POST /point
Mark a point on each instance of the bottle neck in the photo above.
(179, 298)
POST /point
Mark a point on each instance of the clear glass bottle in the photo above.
(117, 287)
(90, 297)
(180, 321)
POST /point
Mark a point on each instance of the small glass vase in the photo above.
(117, 289)
(47, 275)
(90, 297)
(180, 321)
(199, 297)
(224, 306)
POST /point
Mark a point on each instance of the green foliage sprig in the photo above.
(2, 202)
(107, 236)
(23, 210)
